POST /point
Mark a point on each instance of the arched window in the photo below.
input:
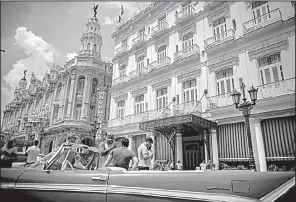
(78, 113)
(58, 95)
(88, 46)
(94, 87)
(81, 85)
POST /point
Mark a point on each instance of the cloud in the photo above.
(6, 93)
(70, 56)
(41, 56)
(107, 21)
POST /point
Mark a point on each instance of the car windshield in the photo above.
(40, 164)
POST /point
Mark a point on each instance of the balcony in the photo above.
(219, 41)
(187, 52)
(160, 29)
(139, 40)
(269, 21)
(219, 101)
(160, 63)
(120, 80)
(138, 72)
(187, 14)
(193, 107)
(137, 118)
(121, 50)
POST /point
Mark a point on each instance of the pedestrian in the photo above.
(122, 156)
(179, 165)
(203, 165)
(172, 165)
(145, 154)
(8, 153)
(32, 153)
(105, 148)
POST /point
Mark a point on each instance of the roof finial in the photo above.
(25, 72)
(95, 8)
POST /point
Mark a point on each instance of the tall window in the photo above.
(140, 62)
(78, 112)
(187, 44)
(124, 44)
(58, 95)
(225, 81)
(162, 98)
(219, 29)
(186, 9)
(161, 55)
(161, 22)
(139, 104)
(88, 46)
(259, 11)
(95, 47)
(190, 90)
(81, 85)
(120, 109)
(270, 68)
(94, 87)
(122, 71)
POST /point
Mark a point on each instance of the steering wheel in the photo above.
(68, 162)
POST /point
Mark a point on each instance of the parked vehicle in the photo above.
(57, 177)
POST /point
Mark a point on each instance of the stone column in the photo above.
(86, 98)
(71, 95)
(215, 157)
(73, 107)
(258, 145)
(206, 152)
(179, 147)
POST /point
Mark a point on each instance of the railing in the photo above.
(139, 39)
(159, 64)
(219, 101)
(120, 80)
(276, 89)
(221, 38)
(161, 26)
(193, 107)
(186, 11)
(121, 49)
(138, 72)
(263, 20)
(186, 52)
(137, 118)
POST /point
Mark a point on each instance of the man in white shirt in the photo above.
(203, 165)
(32, 152)
(179, 165)
(145, 154)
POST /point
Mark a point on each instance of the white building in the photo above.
(177, 50)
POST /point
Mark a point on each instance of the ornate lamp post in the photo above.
(245, 107)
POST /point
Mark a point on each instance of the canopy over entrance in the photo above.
(168, 127)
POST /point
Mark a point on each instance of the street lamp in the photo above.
(246, 107)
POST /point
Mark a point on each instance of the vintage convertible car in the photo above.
(71, 174)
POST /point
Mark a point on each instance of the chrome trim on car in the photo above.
(278, 192)
(7, 185)
(93, 188)
(177, 194)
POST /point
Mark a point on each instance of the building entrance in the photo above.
(192, 155)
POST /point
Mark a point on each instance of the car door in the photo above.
(63, 185)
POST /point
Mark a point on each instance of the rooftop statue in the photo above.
(95, 8)
(25, 73)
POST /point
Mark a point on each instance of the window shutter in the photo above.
(275, 74)
(234, 24)
(282, 73)
(267, 75)
(228, 86)
(240, 82)
(222, 87)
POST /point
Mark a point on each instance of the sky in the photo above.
(36, 35)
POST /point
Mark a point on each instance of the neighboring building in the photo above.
(66, 101)
(179, 49)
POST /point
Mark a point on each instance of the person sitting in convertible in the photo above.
(78, 163)
(122, 156)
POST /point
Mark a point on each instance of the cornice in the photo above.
(186, 30)
(266, 49)
(215, 66)
(138, 90)
(161, 42)
(161, 83)
(189, 75)
(120, 96)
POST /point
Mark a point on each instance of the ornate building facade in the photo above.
(175, 66)
(67, 101)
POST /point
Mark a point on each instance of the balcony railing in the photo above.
(186, 11)
(138, 72)
(121, 49)
(120, 80)
(139, 39)
(264, 91)
(186, 52)
(137, 118)
(159, 64)
(262, 21)
(193, 107)
(220, 38)
(162, 25)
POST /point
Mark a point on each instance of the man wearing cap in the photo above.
(105, 148)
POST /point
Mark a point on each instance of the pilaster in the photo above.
(215, 157)
(86, 98)
(72, 80)
(179, 147)
(72, 111)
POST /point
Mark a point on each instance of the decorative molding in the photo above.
(222, 64)
(266, 49)
(141, 52)
(224, 12)
(119, 96)
(189, 75)
(186, 30)
(161, 42)
(138, 90)
(123, 62)
(161, 83)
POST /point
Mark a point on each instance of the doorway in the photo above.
(192, 155)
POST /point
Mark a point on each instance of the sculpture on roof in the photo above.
(25, 73)
(95, 8)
